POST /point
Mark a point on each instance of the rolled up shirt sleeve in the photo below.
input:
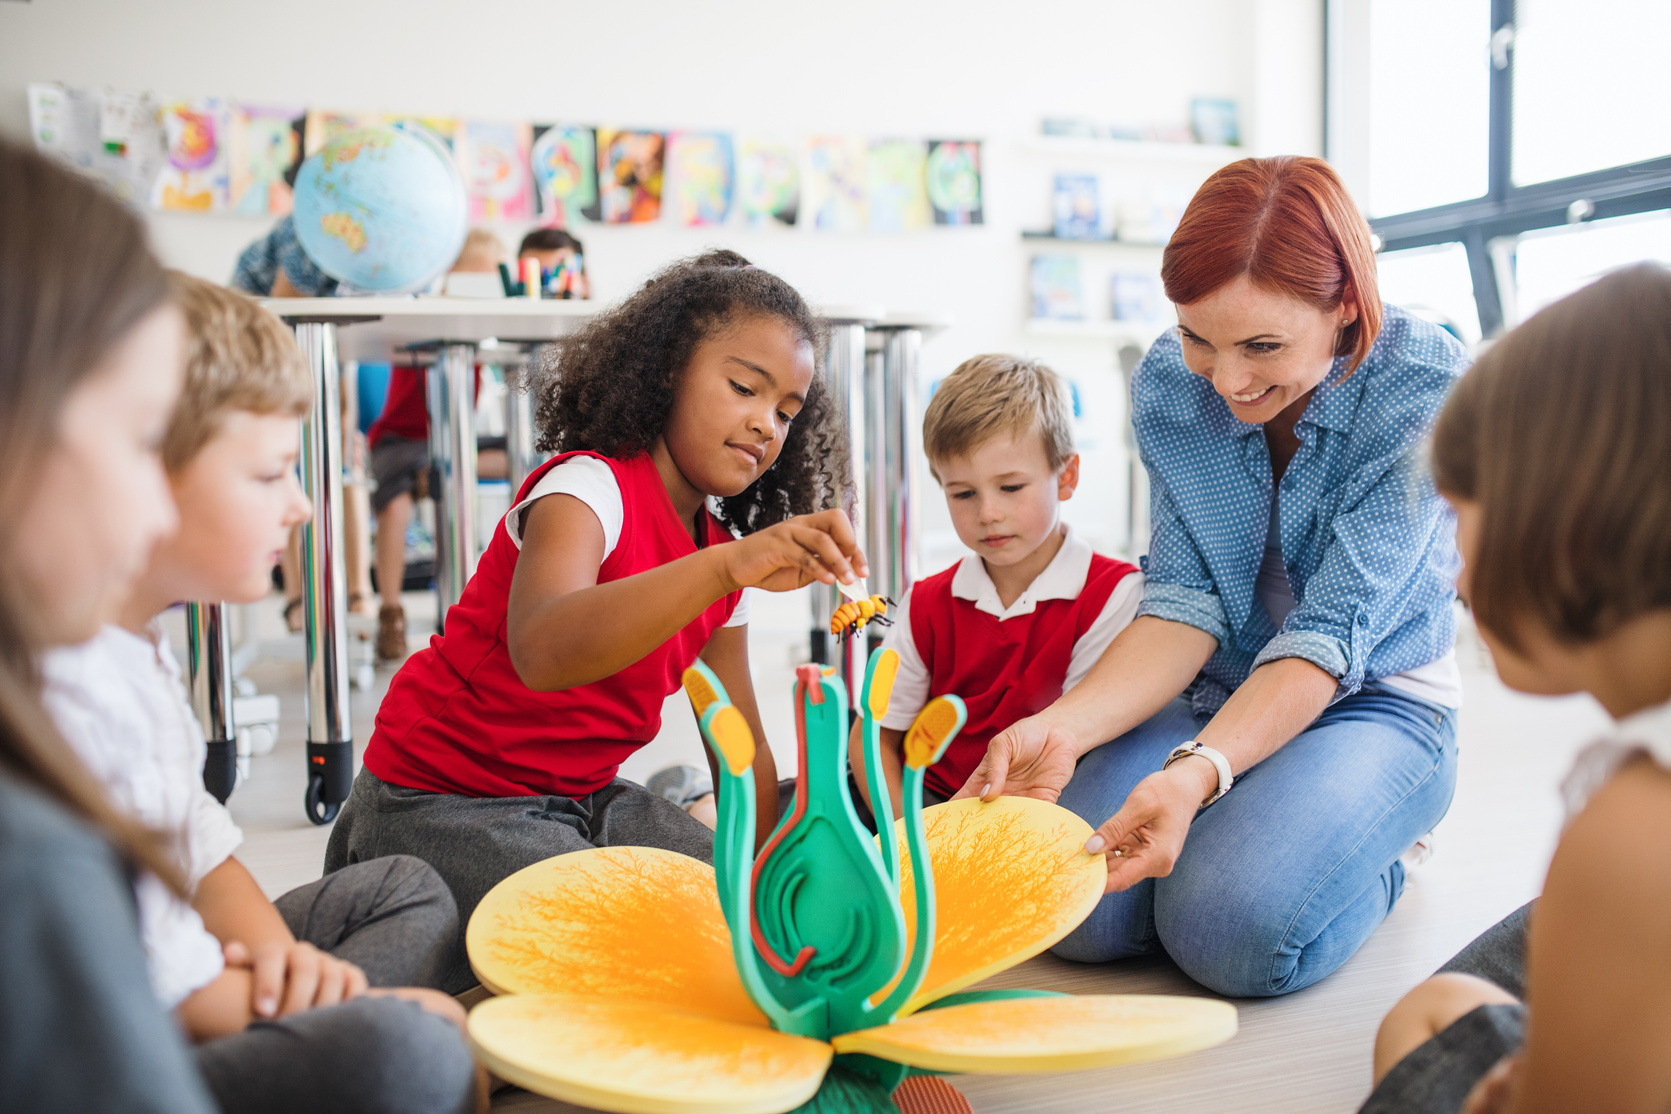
(1177, 585)
(1362, 590)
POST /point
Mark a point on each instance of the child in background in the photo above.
(1556, 452)
(1025, 616)
(498, 745)
(230, 957)
(90, 355)
(399, 441)
(555, 247)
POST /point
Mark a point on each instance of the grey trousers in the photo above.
(395, 919)
(1437, 1076)
(476, 842)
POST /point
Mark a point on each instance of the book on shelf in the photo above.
(1058, 294)
(1077, 205)
(1134, 296)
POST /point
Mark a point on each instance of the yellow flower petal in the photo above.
(619, 922)
(730, 733)
(1011, 878)
(1048, 1034)
(641, 1058)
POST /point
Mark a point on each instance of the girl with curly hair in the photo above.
(498, 745)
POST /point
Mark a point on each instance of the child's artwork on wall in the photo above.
(325, 124)
(898, 192)
(264, 148)
(444, 128)
(835, 184)
(194, 174)
(112, 138)
(1057, 293)
(954, 181)
(630, 175)
(494, 160)
(700, 177)
(565, 168)
(768, 182)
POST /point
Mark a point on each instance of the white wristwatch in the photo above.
(1225, 781)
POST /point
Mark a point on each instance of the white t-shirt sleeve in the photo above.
(1117, 614)
(911, 683)
(588, 479)
(739, 617)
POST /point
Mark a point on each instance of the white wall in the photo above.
(871, 67)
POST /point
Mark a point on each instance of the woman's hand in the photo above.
(1145, 838)
(1031, 758)
(1491, 1095)
(795, 552)
(291, 978)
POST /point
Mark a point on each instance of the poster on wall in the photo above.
(494, 160)
(700, 177)
(898, 187)
(768, 183)
(835, 183)
(263, 150)
(112, 138)
(954, 181)
(325, 124)
(194, 174)
(563, 160)
(630, 175)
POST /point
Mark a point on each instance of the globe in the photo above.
(381, 209)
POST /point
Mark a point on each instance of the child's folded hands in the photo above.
(290, 978)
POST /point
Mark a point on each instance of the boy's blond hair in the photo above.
(238, 357)
(482, 251)
(988, 396)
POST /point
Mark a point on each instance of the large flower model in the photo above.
(820, 973)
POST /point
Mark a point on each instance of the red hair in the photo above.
(1289, 225)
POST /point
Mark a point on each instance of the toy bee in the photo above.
(852, 615)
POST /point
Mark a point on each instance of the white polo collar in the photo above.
(1062, 579)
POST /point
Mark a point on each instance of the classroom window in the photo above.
(1553, 262)
(1434, 282)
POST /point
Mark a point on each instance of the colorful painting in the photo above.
(768, 183)
(325, 124)
(443, 128)
(494, 160)
(954, 181)
(194, 175)
(700, 177)
(836, 183)
(264, 148)
(112, 138)
(898, 191)
(630, 175)
(565, 169)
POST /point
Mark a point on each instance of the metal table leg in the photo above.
(845, 363)
(899, 443)
(451, 390)
(330, 737)
(209, 667)
(519, 427)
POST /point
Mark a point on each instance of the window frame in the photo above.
(1507, 210)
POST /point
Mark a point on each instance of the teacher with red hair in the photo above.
(1260, 748)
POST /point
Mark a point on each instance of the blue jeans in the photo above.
(1281, 880)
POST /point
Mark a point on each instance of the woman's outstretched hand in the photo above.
(1030, 758)
(1145, 838)
(796, 552)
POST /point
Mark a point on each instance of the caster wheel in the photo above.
(318, 811)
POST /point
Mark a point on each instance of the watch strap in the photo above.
(1220, 763)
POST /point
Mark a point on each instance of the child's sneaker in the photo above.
(1419, 852)
(683, 785)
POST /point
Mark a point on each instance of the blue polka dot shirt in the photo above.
(1368, 544)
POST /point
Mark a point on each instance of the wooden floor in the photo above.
(1307, 1052)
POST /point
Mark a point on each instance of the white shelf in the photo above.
(1137, 331)
(1206, 155)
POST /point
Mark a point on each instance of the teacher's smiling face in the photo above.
(1263, 351)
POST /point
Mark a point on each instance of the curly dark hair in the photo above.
(608, 388)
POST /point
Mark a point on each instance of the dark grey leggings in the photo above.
(395, 919)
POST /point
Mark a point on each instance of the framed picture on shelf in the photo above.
(1058, 294)
(1077, 206)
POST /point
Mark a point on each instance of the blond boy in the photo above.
(228, 956)
(1030, 610)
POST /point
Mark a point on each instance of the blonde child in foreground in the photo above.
(1022, 618)
(1556, 451)
(231, 958)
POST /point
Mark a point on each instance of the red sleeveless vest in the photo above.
(458, 719)
(1002, 670)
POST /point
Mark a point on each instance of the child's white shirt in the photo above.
(1645, 734)
(593, 482)
(1062, 579)
(119, 701)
